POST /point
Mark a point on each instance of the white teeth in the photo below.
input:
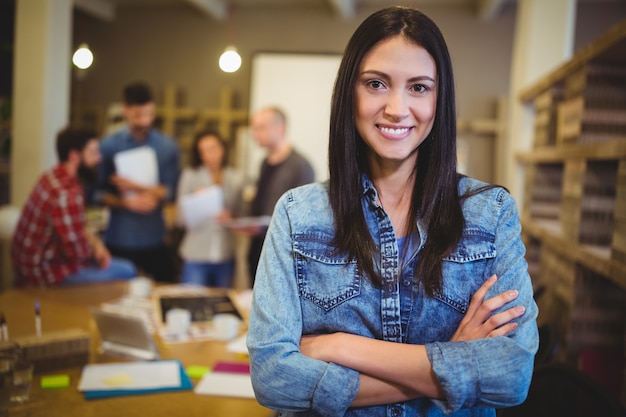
(398, 131)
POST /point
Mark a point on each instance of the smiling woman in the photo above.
(399, 287)
(395, 102)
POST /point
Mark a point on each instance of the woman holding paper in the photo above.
(209, 192)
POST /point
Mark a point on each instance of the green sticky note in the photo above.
(55, 381)
(195, 371)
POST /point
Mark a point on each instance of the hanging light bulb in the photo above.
(82, 58)
(230, 60)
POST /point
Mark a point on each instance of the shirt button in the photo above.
(406, 282)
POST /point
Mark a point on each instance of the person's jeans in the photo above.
(208, 274)
(117, 269)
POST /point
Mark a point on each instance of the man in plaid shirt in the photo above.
(51, 243)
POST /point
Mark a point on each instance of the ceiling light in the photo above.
(230, 60)
(82, 58)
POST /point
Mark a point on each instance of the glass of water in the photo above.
(22, 381)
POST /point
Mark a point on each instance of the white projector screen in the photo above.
(301, 85)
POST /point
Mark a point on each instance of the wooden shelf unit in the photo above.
(574, 212)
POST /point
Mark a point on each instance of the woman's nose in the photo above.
(397, 107)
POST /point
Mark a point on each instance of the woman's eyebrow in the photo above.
(386, 76)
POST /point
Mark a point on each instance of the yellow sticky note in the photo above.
(195, 371)
(118, 380)
(55, 381)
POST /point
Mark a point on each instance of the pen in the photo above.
(37, 319)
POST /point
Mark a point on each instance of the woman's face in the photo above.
(211, 152)
(396, 96)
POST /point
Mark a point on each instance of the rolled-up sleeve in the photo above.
(282, 377)
(494, 372)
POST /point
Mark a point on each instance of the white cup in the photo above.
(226, 326)
(178, 322)
(140, 287)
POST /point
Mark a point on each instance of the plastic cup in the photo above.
(140, 287)
(178, 322)
(226, 326)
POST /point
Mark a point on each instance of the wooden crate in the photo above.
(598, 203)
(545, 193)
(594, 109)
(618, 244)
(546, 105)
(597, 317)
(572, 196)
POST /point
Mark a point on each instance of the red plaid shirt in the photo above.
(49, 241)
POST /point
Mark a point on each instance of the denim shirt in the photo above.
(303, 287)
(127, 229)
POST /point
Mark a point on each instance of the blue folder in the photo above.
(185, 384)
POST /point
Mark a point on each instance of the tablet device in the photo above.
(124, 336)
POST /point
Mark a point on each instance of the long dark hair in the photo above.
(196, 161)
(435, 197)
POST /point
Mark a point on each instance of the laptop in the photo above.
(124, 336)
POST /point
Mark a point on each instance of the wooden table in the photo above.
(64, 308)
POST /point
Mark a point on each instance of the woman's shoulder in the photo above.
(307, 206)
(311, 195)
(477, 190)
(483, 201)
(234, 176)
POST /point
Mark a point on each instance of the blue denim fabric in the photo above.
(117, 269)
(303, 287)
(208, 274)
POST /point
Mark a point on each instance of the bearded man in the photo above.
(52, 244)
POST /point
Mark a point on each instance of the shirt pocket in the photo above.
(466, 268)
(325, 278)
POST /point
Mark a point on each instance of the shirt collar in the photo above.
(131, 139)
(61, 172)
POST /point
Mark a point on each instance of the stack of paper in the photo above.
(138, 164)
(201, 206)
(131, 378)
(228, 380)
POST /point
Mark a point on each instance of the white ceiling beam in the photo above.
(489, 9)
(217, 9)
(101, 9)
(346, 9)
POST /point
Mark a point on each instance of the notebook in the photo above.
(124, 336)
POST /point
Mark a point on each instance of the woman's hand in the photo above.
(314, 346)
(479, 322)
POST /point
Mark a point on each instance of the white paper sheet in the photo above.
(225, 384)
(247, 222)
(138, 165)
(201, 206)
(130, 375)
(238, 345)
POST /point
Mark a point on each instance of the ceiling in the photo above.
(219, 9)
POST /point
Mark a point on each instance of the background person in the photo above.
(399, 287)
(282, 169)
(136, 227)
(51, 243)
(208, 250)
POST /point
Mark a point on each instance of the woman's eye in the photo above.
(419, 88)
(375, 84)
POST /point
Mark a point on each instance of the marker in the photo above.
(5, 328)
(37, 319)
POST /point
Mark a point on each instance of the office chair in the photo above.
(562, 390)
